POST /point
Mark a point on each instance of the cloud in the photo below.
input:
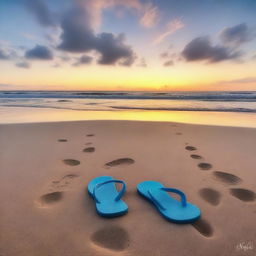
(96, 8)
(113, 49)
(171, 27)
(142, 63)
(84, 59)
(168, 63)
(4, 55)
(46, 17)
(41, 11)
(168, 54)
(164, 55)
(8, 52)
(77, 26)
(145, 9)
(148, 12)
(39, 52)
(150, 16)
(56, 65)
(246, 80)
(201, 48)
(4, 85)
(23, 64)
(237, 35)
(64, 58)
(170, 58)
(53, 36)
(78, 36)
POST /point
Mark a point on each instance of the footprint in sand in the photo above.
(227, 178)
(69, 176)
(120, 161)
(111, 237)
(62, 140)
(205, 166)
(203, 227)
(71, 162)
(195, 156)
(210, 195)
(64, 181)
(243, 194)
(90, 135)
(89, 150)
(190, 148)
(178, 133)
(50, 198)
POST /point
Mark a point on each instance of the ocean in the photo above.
(146, 101)
(219, 108)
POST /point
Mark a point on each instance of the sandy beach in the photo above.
(127, 128)
(46, 210)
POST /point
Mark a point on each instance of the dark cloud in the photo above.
(23, 64)
(113, 50)
(41, 11)
(39, 52)
(168, 63)
(237, 35)
(78, 36)
(201, 48)
(83, 60)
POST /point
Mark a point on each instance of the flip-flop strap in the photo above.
(120, 194)
(173, 190)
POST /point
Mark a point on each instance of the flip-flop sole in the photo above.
(172, 209)
(107, 206)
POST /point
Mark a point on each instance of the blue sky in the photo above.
(115, 34)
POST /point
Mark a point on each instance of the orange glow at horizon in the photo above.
(181, 77)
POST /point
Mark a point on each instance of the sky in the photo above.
(152, 45)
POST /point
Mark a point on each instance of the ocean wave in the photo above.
(53, 107)
(248, 110)
(119, 108)
(143, 101)
(202, 96)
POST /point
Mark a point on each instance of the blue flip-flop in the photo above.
(172, 209)
(107, 198)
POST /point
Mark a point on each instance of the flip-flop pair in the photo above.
(109, 203)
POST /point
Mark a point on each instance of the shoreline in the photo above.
(33, 115)
(66, 122)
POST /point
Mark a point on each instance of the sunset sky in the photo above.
(128, 45)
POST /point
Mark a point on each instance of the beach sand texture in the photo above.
(46, 210)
